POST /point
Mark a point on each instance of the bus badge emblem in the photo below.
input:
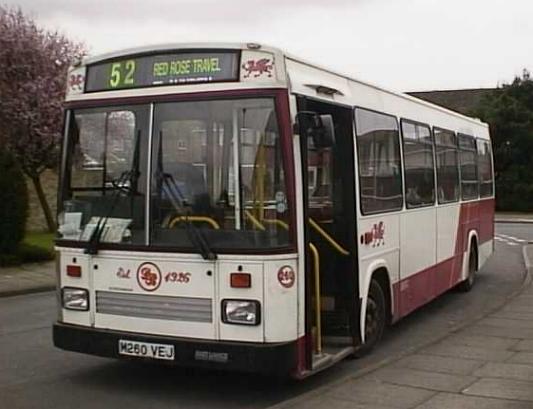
(149, 276)
(286, 276)
(258, 67)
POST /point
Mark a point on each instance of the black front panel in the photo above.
(277, 358)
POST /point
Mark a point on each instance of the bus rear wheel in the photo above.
(468, 283)
(375, 319)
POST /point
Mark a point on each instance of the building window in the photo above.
(447, 166)
(418, 164)
(468, 162)
(378, 148)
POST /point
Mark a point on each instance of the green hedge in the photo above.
(13, 204)
(513, 195)
(26, 253)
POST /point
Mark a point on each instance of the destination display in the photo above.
(163, 69)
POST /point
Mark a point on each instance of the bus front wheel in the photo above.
(375, 319)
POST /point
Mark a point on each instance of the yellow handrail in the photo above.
(201, 219)
(328, 238)
(280, 223)
(254, 220)
(316, 267)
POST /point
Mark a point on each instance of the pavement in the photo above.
(512, 217)
(27, 278)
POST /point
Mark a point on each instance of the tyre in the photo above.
(375, 319)
(467, 284)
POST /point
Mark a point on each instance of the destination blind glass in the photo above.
(162, 69)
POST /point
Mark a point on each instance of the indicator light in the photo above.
(74, 271)
(240, 280)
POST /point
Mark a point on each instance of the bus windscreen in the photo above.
(163, 69)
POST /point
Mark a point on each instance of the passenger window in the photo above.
(378, 148)
(418, 163)
(447, 166)
(484, 166)
(468, 161)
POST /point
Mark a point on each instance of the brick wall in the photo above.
(36, 220)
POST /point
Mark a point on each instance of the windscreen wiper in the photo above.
(130, 176)
(178, 201)
(92, 244)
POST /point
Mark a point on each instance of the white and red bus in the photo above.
(231, 206)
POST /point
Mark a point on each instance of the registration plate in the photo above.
(146, 349)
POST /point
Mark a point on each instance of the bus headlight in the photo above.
(75, 298)
(241, 312)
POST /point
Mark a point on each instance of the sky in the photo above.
(405, 45)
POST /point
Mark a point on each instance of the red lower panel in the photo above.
(420, 288)
(425, 285)
(304, 347)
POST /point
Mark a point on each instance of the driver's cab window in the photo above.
(104, 148)
(105, 175)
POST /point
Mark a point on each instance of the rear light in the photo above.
(74, 271)
(240, 280)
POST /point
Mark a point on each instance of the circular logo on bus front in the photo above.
(149, 276)
(286, 276)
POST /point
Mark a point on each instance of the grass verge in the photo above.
(34, 248)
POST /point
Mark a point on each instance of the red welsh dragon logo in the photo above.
(75, 82)
(376, 235)
(149, 276)
(258, 67)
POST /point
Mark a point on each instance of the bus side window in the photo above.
(484, 164)
(378, 151)
(468, 161)
(447, 165)
(418, 163)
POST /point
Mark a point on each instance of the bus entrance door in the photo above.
(332, 306)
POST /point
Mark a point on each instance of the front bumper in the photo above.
(279, 358)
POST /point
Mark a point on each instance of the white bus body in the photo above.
(236, 117)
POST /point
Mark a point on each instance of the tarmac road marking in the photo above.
(509, 240)
(513, 238)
